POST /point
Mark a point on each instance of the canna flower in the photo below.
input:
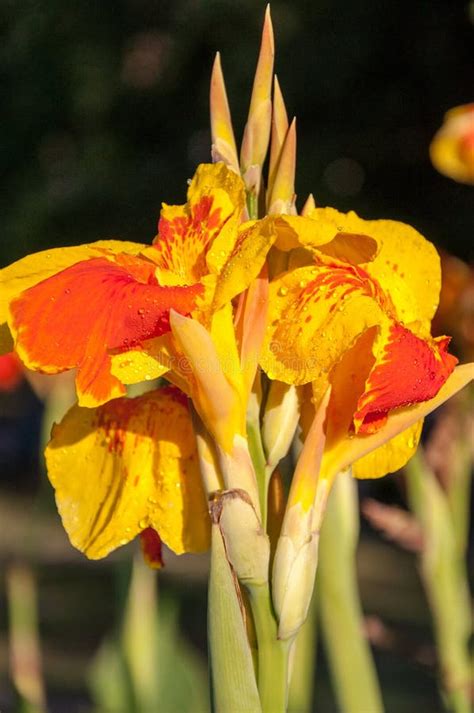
(354, 314)
(122, 313)
(452, 148)
(129, 468)
(73, 307)
(351, 320)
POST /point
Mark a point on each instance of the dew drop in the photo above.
(283, 291)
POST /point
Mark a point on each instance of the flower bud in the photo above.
(247, 545)
(279, 422)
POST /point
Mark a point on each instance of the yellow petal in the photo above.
(406, 265)
(137, 365)
(315, 315)
(245, 261)
(223, 337)
(35, 268)
(126, 466)
(215, 399)
(390, 457)
(210, 177)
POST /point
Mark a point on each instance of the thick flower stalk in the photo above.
(264, 324)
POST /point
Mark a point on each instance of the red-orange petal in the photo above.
(410, 370)
(150, 543)
(72, 319)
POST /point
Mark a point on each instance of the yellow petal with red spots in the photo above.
(127, 466)
(72, 320)
(35, 268)
(186, 232)
(452, 149)
(315, 315)
(405, 264)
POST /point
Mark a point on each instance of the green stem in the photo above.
(252, 205)
(445, 580)
(304, 663)
(24, 639)
(272, 653)
(352, 669)
(234, 687)
(259, 463)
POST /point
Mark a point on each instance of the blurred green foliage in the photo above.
(105, 108)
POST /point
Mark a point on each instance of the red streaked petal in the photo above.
(411, 370)
(183, 236)
(186, 232)
(73, 318)
(150, 543)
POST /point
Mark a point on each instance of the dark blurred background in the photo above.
(104, 114)
(105, 108)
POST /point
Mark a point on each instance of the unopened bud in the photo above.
(247, 545)
(279, 422)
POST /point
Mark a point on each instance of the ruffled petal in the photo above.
(406, 265)
(32, 269)
(408, 370)
(127, 466)
(72, 319)
(315, 315)
(390, 457)
(402, 422)
(186, 232)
